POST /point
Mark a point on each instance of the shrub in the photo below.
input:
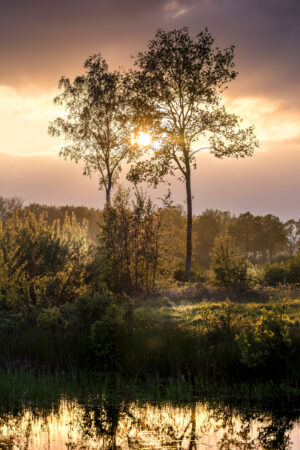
(273, 274)
(229, 268)
(42, 264)
(105, 336)
(135, 243)
(268, 344)
(293, 269)
(50, 318)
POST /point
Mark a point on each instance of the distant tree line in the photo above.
(261, 238)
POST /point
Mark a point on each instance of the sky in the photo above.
(41, 40)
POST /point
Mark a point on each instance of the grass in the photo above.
(166, 337)
(186, 314)
(23, 388)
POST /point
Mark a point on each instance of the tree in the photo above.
(178, 85)
(97, 123)
(207, 227)
(274, 235)
(292, 236)
(8, 206)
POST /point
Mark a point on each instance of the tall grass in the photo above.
(190, 341)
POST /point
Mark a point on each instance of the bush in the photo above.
(289, 271)
(135, 244)
(293, 269)
(196, 277)
(273, 274)
(42, 265)
(105, 335)
(229, 268)
(268, 344)
(50, 318)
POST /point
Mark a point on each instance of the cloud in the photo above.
(24, 119)
(31, 104)
(274, 120)
(175, 8)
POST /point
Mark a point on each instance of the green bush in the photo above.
(105, 336)
(293, 269)
(273, 274)
(229, 269)
(268, 343)
(50, 318)
(41, 265)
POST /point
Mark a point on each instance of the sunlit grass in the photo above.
(187, 314)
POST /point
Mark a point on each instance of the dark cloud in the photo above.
(41, 40)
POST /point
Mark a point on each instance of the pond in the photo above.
(81, 410)
(112, 422)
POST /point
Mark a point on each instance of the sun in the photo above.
(141, 138)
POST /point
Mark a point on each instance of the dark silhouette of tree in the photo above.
(178, 87)
(8, 206)
(97, 123)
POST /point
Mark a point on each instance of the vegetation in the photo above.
(57, 311)
(110, 291)
(134, 243)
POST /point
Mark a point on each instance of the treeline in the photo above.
(263, 239)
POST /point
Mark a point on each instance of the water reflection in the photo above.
(102, 424)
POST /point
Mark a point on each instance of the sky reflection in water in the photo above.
(141, 425)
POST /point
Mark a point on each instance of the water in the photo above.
(113, 422)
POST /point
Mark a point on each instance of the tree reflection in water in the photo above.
(105, 424)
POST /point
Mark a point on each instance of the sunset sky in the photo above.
(42, 40)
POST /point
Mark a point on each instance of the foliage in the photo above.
(285, 272)
(105, 336)
(258, 235)
(41, 264)
(292, 268)
(273, 274)
(97, 125)
(268, 343)
(134, 243)
(50, 318)
(207, 226)
(87, 217)
(229, 268)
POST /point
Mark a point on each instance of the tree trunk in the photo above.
(107, 193)
(188, 259)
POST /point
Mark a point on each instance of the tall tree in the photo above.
(178, 85)
(97, 122)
